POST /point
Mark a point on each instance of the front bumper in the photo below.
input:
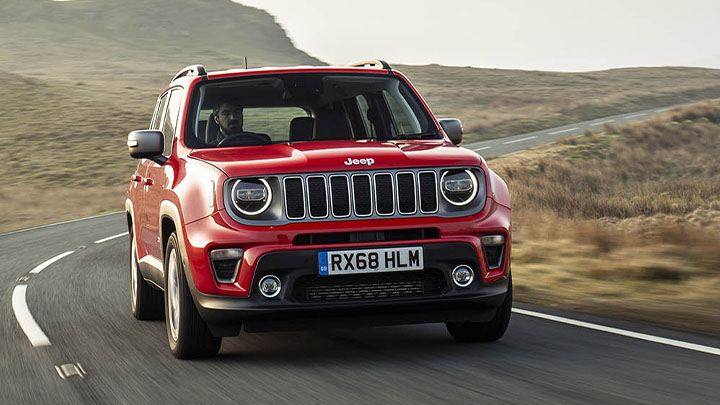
(291, 309)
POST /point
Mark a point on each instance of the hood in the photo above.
(331, 156)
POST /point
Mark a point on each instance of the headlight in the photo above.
(459, 187)
(251, 197)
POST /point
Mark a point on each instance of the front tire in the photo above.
(146, 302)
(485, 331)
(188, 334)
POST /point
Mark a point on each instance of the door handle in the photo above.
(136, 178)
(149, 182)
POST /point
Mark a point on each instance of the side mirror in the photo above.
(453, 128)
(147, 144)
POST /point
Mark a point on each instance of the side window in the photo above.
(170, 120)
(159, 110)
(405, 120)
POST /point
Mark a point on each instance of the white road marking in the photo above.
(622, 332)
(59, 223)
(564, 130)
(40, 267)
(483, 148)
(635, 115)
(112, 237)
(519, 140)
(663, 109)
(32, 330)
(601, 122)
(70, 370)
(512, 153)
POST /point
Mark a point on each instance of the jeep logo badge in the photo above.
(351, 162)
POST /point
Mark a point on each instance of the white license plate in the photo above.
(370, 260)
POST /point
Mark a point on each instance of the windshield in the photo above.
(305, 107)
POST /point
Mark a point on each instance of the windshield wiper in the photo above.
(422, 135)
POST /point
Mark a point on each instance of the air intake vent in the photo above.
(362, 195)
(384, 194)
(225, 270)
(369, 286)
(294, 198)
(340, 196)
(428, 192)
(406, 193)
(317, 197)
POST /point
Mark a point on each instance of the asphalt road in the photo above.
(81, 305)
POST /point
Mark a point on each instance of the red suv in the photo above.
(283, 198)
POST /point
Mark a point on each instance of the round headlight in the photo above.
(251, 197)
(459, 187)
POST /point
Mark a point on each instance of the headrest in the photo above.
(331, 124)
(301, 128)
(211, 129)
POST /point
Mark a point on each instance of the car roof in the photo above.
(373, 66)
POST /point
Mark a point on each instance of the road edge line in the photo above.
(59, 223)
(622, 332)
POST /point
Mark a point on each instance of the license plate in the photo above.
(370, 260)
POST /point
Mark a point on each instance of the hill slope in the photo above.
(80, 75)
(499, 102)
(112, 38)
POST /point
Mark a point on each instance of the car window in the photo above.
(364, 107)
(341, 106)
(171, 119)
(159, 111)
(405, 121)
(273, 121)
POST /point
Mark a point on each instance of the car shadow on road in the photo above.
(361, 345)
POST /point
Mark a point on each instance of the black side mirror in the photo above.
(146, 144)
(453, 128)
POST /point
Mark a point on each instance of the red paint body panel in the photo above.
(220, 231)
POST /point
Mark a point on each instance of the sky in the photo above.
(559, 35)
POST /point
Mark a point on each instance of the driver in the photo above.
(229, 117)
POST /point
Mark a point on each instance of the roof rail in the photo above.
(371, 63)
(192, 70)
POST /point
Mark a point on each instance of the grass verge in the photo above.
(624, 223)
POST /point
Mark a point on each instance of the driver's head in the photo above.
(229, 116)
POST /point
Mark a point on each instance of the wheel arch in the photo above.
(171, 221)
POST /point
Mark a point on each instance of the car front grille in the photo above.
(361, 195)
(369, 286)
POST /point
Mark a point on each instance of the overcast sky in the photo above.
(566, 35)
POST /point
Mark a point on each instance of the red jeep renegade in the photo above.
(284, 198)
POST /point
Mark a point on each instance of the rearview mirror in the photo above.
(453, 128)
(145, 144)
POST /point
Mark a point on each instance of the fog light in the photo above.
(269, 286)
(462, 275)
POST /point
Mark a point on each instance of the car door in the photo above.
(159, 177)
(141, 210)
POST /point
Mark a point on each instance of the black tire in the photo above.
(188, 334)
(484, 331)
(146, 302)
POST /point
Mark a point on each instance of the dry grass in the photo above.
(494, 103)
(626, 222)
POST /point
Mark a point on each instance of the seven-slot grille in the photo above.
(361, 194)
